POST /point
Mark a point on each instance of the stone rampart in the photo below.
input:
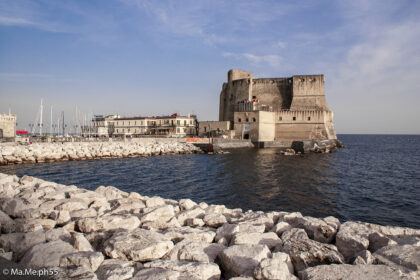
(111, 234)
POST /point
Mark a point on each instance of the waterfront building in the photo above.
(174, 125)
(7, 126)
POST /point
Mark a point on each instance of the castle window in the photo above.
(309, 118)
(281, 118)
(254, 97)
(239, 120)
(254, 119)
(312, 79)
(247, 120)
(294, 118)
(302, 80)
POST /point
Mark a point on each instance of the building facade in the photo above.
(7, 126)
(270, 109)
(174, 125)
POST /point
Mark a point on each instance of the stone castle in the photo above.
(276, 109)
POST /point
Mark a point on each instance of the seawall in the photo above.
(111, 234)
(50, 152)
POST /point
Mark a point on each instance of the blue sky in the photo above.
(136, 57)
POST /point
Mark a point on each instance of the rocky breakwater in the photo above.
(111, 234)
(49, 152)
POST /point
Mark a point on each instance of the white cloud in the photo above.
(272, 60)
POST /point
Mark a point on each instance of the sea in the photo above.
(375, 179)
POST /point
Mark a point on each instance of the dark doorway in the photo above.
(246, 136)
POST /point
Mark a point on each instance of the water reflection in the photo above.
(269, 181)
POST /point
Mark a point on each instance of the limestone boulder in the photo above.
(46, 254)
(281, 227)
(228, 230)
(241, 260)
(20, 242)
(115, 269)
(364, 257)
(193, 250)
(195, 212)
(83, 213)
(110, 192)
(14, 206)
(161, 273)
(155, 201)
(58, 234)
(317, 229)
(77, 273)
(80, 243)
(354, 237)
(159, 213)
(214, 220)
(279, 266)
(137, 245)
(194, 222)
(306, 252)
(7, 224)
(258, 218)
(204, 271)
(403, 257)
(106, 223)
(88, 260)
(186, 204)
(351, 272)
(270, 239)
(28, 225)
(127, 205)
(190, 233)
(72, 204)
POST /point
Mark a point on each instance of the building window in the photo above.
(254, 97)
(205, 129)
(185, 129)
(185, 122)
(128, 123)
(190, 121)
(135, 122)
(309, 118)
(117, 130)
(178, 122)
(254, 119)
(247, 120)
(177, 130)
(294, 118)
(281, 118)
(239, 120)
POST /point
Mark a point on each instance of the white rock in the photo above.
(110, 192)
(351, 272)
(240, 260)
(200, 234)
(88, 260)
(115, 269)
(138, 245)
(46, 254)
(160, 273)
(281, 227)
(193, 250)
(205, 271)
(80, 243)
(186, 204)
(155, 201)
(279, 266)
(196, 212)
(106, 223)
(19, 242)
(214, 220)
(270, 239)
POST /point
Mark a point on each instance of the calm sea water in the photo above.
(376, 178)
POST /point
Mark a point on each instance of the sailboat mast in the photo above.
(51, 122)
(40, 120)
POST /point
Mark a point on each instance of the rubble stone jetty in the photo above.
(50, 152)
(111, 234)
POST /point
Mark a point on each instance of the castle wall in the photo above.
(308, 93)
(302, 125)
(274, 92)
(231, 94)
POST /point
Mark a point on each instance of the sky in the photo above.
(147, 58)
